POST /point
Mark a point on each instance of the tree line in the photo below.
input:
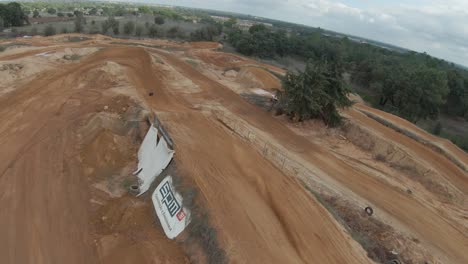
(12, 15)
(413, 85)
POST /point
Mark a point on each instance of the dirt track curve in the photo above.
(69, 136)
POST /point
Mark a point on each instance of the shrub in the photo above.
(159, 20)
(153, 31)
(315, 93)
(129, 27)
(51, 11)
(80, 21)
(2, 48)
(139, 30)
(33, 31)
(437, 128)
(49, 30)
(173, 32)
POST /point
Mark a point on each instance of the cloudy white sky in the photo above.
(438, 27)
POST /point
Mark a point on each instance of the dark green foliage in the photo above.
(230, 23)
(93, 11)
(159, 20)
(129, 27)
(153, 31)
(409, 84)
(49, 30)
(51, 11)
(257, 28)
(36, 14)
(60, 14)
(139, 30)
(457, 98)
(437, 128)
(173, 32)
(207, 33)
(70, 14)
(315, 93)
(12, 15)
(80, 21)
(33, 31)
(110, 23)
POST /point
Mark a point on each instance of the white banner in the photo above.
(168, 205)
(153, 158)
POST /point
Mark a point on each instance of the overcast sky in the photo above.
(438, 27)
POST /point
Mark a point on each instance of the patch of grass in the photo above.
(6, 46)
(73, 57)
(77, 39)
(460, 141)
(126, 183)
(192, 62)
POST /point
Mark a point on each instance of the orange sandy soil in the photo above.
(70, 131)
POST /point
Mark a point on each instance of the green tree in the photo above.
(33, 32)
(129, 27)
(80, 21)
(437, 128)
(51, 11)
(110, 23)
(49, 30)
(457, 99)
(423, 96)
(173, 32)
(231, 22)
(159, 20)
(93, 11)
(315, 93)
(12, 15)
(36, 13)
(60, 14)
(139, 30)
(153, 31)
(257, 28)
(144, 10)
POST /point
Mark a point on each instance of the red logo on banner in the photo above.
(181, 215)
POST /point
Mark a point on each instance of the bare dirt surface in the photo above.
(71, 128)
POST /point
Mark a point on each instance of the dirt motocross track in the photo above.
(74, 114)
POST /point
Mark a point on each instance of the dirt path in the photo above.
(55, 171)
(435, 230)
(445, 143)
(439, 162)
(45, 200)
